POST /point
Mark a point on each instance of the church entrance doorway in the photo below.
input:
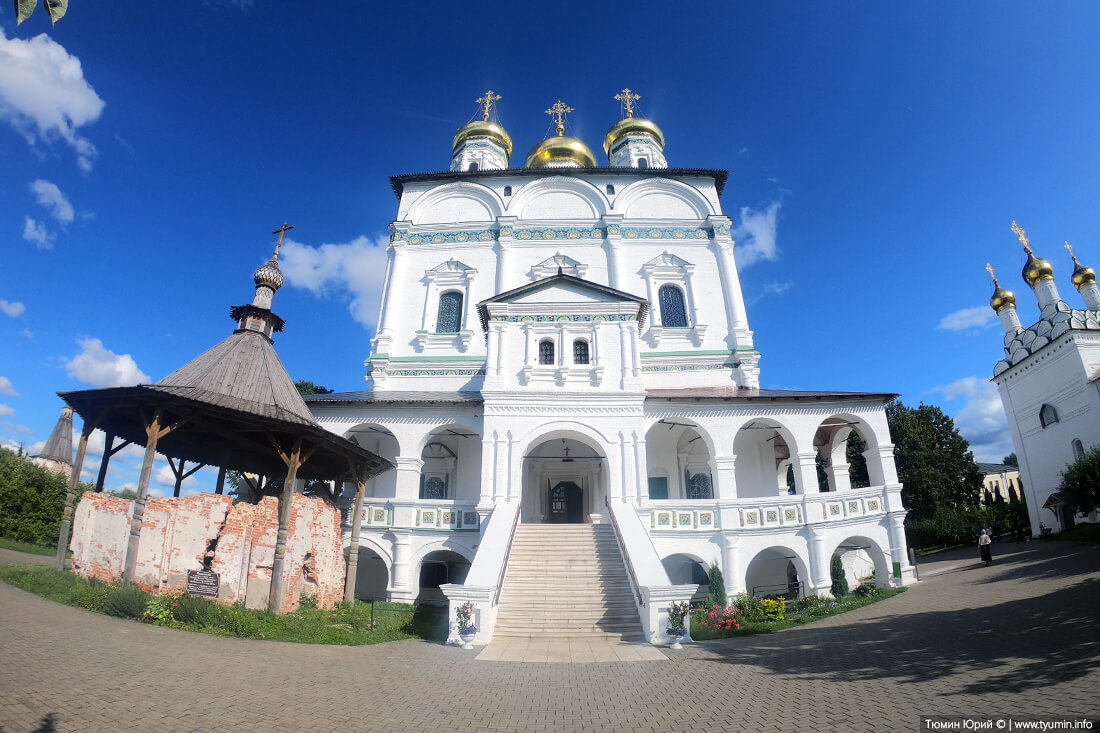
(566, 504)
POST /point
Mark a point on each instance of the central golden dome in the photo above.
(628, 125)
(483, 128)
(553, 151)
(1035, 269)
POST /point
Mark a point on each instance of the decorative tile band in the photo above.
(583, 318)
(557, 233)
(482, 144)
(627, 140)
(560, 233)
(689, 367)
(433, 372)
(665, 233)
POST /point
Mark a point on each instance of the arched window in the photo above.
(450, 312)
(1078, 449)
(643, 163)
(699, 487)
(474, 166)
(1047, 415)
(671, 300)
(580, 351)
(434, 488)
(610, 190)
(546, 352)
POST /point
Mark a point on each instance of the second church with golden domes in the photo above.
(564, 375)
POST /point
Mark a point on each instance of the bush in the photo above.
(126, 602)
(91, 595)
(238, 621)
(195, 610)
(866, 588)
(747, 607)
(717, 585)
(811, 601)
(773, 609)
(839, 588)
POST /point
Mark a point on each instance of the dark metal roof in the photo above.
(561, 277)
(59, 446)
(988, 468)
(735, 394)
(385, 397)
(719, 176)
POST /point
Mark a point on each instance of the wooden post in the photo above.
(353, 548)
(152, 432)
(108, 443)
(179, 476)
(286, 500)
(220, 488)
(70, 496)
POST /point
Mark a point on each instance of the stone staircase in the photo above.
(567, 581)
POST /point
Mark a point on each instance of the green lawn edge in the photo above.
(20, 546)
(798, 618)
(349, 624)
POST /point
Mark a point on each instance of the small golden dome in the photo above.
(558, 149)
(1036, 269)
(483, 128)
(632, 124)
(1082, 275)
(1001, 298)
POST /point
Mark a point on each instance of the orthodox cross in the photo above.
(992, 274)
(558, 111)
(1069, 248)
(1022, 235)
(281, 231)
(486, 103)
(628, 98)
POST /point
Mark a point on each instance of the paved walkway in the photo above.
(568, 651)
(1020, 637)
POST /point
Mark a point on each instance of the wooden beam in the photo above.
(107, 453)
(220, 487)
(353, 548)
(286, 500)
(153, 431)
(70, 495)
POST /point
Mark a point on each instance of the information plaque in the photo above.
(202, 583)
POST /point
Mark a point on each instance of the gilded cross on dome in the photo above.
(486, 103)
(628, 98)
(1069, 248)
(992, 274)
(281, 231)
(1022, 235)
(558, 111)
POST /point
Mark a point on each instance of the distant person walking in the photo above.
(984, 543)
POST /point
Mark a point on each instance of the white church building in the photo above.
(1049, 381)
(565, 378)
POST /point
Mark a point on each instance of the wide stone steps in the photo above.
(567, 581)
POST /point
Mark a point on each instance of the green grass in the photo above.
(924, 551)
(793, 618)
(348, 624)
(1080, 533)
(18, 546)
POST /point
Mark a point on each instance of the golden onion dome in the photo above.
(1082, 275)
(1035, 269)
(632, 124)
(483, 128)
(1001, 298)
(559, 149)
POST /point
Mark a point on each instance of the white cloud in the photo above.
(100, 367)
(44, 96)
(981, 419)
(10, 445)
(164, 476)
(14, 309)
(778, 288)
(35, 231)
(5, 410)
(49, 196)
(354, 270)
(755, 236)
(968, 319)
(6, 387)
(26, 331)
(35, 448)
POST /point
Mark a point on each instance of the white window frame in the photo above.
(444, 277)
(668, 269)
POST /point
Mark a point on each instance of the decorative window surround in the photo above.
(565, 263)
(668, 269)
(449, 275)
(563, 370)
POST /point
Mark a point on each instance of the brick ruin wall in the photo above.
(208, 530)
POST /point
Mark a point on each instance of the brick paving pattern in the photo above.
(1020, 637)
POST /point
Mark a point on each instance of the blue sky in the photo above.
(877, 155)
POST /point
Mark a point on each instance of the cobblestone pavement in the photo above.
(1022, 637)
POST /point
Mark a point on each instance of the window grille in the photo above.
(580, 351)
(1078, 449)
(671, 300)
(1047, 415)
(450, 312)
(434, 488)
(546, 352)
(699, 487)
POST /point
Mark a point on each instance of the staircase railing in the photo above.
(634, 586)
(507, 555)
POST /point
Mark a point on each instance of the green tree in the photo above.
(1081, 481)
(306, 388)
(32, 500)
(857, 462)
(934, 462)
(1010, 460)
(839, 588)
(717, 585)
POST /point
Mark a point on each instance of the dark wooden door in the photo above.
(566, 503)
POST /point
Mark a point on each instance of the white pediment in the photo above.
(558, 263)
(451, 266)
(565, 293)
(667, 259)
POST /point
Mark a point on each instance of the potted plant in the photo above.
(466, 629)
(677, 612)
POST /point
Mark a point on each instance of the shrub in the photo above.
(717, 585)
(126, 602)
(811, 601)
(748, 607)
(773, 609)
(195, 610)
(719, 619)
(238, 621)
(866, 588)
(91, 595)
(159, 610)
(308, 602)
(839, 588)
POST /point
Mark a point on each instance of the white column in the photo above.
(500, 468)
(507, 278)
(725, 469)
(731, 281)
(839, 480)
(805, 473)
(401, 542)
(624, 472)
(641, 469)
(819, 562)
(615, 277)
(731, 565)
(492, 348)
(488, 461)
(624, 356)
(512, 471)
(408, 477)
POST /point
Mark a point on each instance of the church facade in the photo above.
(1048, 381)
(566, 343)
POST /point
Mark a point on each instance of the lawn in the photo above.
(18, 546)
(349, 624)
(1083, 532)
(791, 617)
